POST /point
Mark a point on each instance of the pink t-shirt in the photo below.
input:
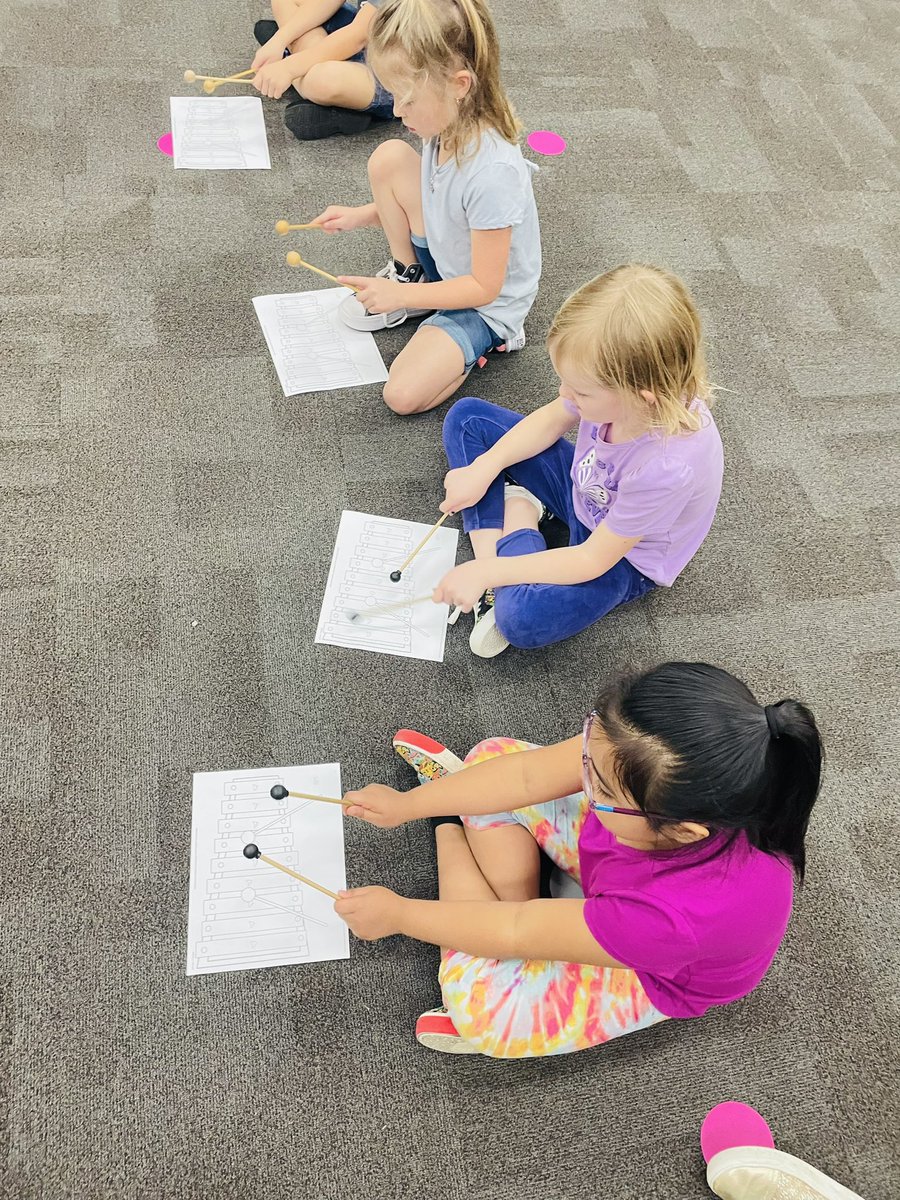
(662, 489)
(698, 929)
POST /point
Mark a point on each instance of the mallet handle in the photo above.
(309, 796)
(294, 260)
(431, 532)
(287, 870)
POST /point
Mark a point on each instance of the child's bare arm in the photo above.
(567, 565)
(539, 930)
(500, 784)
(311, 14)
(276, 77)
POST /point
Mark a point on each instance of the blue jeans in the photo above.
(466, 326)
(382, 106)
(534, 614)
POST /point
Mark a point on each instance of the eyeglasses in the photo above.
(589, 773)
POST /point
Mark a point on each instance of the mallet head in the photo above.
(282, 226)
(395, 576)
(278, 792)
(190, 77)
(293, 259)
(251, 851)
(209, 86)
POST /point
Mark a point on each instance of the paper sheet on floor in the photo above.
(212, 133)
(311, 347)
(367, 550)
(243, 913)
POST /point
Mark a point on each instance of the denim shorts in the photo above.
(466, 326)
(382, 106)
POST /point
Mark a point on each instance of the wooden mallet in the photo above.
(284, 227)
(293, 259)
(253, 851)
(280, 792)
(395, 575)
(211, 82)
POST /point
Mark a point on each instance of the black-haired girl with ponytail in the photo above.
(680, 809)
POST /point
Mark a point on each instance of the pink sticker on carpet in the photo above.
(164, 144)
(545, 142)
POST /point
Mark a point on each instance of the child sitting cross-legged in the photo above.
(681, 808)
(314, 52)
(638, 490)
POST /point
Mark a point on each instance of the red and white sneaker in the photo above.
(435, 1030)
(428, 758)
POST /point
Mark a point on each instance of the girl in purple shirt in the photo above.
(638, 490)
(681, 811)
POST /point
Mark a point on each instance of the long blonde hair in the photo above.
(435, 38)
(636, 329)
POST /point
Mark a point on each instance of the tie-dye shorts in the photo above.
(511, 1008)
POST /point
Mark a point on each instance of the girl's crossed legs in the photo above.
(524, 1009)
(532, 614)
(446, 346)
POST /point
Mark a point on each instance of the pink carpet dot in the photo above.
(544, 142)
(164, 144)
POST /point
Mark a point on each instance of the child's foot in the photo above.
(308, 122)
(435, 1030)
(357, 317)
(428, 758)
(486, 640)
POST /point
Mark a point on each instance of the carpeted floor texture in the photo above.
(168, 520)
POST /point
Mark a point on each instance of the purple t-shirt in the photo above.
(699, 929)
(663, 489)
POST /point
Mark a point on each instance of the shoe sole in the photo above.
(419, 743)
(747, 1158)
(309, 122)
(486, 640)
(436, 1032)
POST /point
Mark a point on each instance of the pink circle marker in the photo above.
(164, 144)
(544, 142)
(732, 1124)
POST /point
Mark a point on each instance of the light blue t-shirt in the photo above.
(490, 190)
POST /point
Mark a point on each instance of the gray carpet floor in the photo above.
(168, 520)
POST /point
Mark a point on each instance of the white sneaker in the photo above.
(514, 343)
(486, 640)
(761, 1173)
(358, 317)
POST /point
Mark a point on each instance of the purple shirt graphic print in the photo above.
(661, 489)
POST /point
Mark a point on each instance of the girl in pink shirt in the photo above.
(680, 810)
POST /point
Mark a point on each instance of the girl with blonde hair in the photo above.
(460, 218)
(638, 490)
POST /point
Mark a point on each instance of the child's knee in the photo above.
(459, 412)
(516, 620)
(492, 747)
(404, 398)
(391, 156)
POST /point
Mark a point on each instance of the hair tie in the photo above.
(771, 721)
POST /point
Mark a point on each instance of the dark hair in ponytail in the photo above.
(691, 743)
